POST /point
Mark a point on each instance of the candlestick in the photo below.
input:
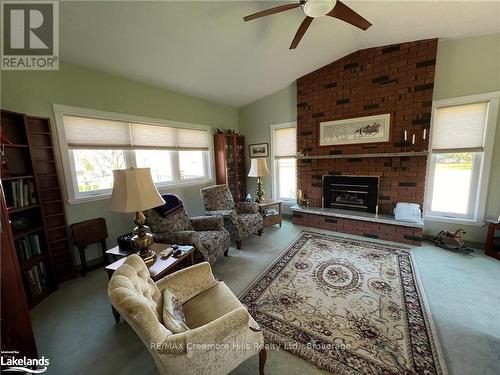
(413, 139)
(406, 136)
(425, 134)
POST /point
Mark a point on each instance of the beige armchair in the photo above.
(222, 333)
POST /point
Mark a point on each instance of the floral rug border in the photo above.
(331, 359)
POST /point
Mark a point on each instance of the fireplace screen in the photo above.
(358, 193)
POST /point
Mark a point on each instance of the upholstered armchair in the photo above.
(220, 332)
(206, 234)
(241, 219)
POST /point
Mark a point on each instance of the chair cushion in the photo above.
(249, 223)
(173, 315)
(210, 305)
(214, 241)
(172, 223)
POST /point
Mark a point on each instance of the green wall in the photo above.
(34, 92)
(255, 119)
(470, 66)
(464, 66)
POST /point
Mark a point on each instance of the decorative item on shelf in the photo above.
(302, 152)
(249, 198)
(259, 169)
(4, 161)
(413, 142)
(452, 241)
(302, 200)
(258, 150)
(405, 141)
(424, 140)
(135, 191)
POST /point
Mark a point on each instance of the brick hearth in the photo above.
(396, 79)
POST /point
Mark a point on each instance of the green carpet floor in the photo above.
(75, 329)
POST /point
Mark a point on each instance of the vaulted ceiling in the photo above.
(206, 50)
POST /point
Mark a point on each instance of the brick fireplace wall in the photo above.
(396, 79)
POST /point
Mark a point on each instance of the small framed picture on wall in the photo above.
(259, 150)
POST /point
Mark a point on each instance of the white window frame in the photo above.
(481, 163)
(275, 180)
(72, 196)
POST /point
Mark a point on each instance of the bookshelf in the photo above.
(35, 204)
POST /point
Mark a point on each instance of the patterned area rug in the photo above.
(348, 306)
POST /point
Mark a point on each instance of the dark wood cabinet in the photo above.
(230, 166)
(492, 247)
(35, 205)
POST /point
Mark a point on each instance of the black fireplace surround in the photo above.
(355, 193)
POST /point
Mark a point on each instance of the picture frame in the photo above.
(258, 150)
(367, 129)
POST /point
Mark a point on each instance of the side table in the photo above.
(270, 220)
(492, 247)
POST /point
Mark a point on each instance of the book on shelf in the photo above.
(27, 247)
(36, 279)
(20, 193)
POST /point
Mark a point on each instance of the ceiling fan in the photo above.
(313, 9)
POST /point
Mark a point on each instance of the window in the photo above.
(460, 156)
(284, 149)
(93, 145)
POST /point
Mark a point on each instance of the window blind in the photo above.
(285, 140)
(459, 128)
(86, 132)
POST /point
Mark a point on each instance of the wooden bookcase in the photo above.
(38, 222)
(230, 163)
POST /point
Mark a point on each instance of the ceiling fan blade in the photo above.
(270, 11)
(346, 14)
(300, 32)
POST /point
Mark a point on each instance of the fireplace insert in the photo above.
(357, 193)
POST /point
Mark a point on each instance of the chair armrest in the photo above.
(188, 282)
(201, 223)
(173, 344)
(217, 331)
(247, 207)
(184, 237)
(223, 213)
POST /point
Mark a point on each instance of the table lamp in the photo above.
(259, 169)
(135, 191)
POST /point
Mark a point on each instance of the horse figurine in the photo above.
(446, 239)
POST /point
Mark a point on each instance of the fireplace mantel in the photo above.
(359, 156)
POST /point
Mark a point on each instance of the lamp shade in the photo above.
(258, 168)
(134, 191)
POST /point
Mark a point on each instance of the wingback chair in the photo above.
(206, 234)
(221, 333)
(241, 219)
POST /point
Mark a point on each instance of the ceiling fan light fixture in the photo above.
(318, 8)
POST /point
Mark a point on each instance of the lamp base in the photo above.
(259, 192)
(143, 239)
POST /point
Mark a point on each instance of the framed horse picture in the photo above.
(369, 129)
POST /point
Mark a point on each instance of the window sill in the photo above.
(454, 220)
(161, 189)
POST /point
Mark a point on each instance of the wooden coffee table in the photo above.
(157, 270)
